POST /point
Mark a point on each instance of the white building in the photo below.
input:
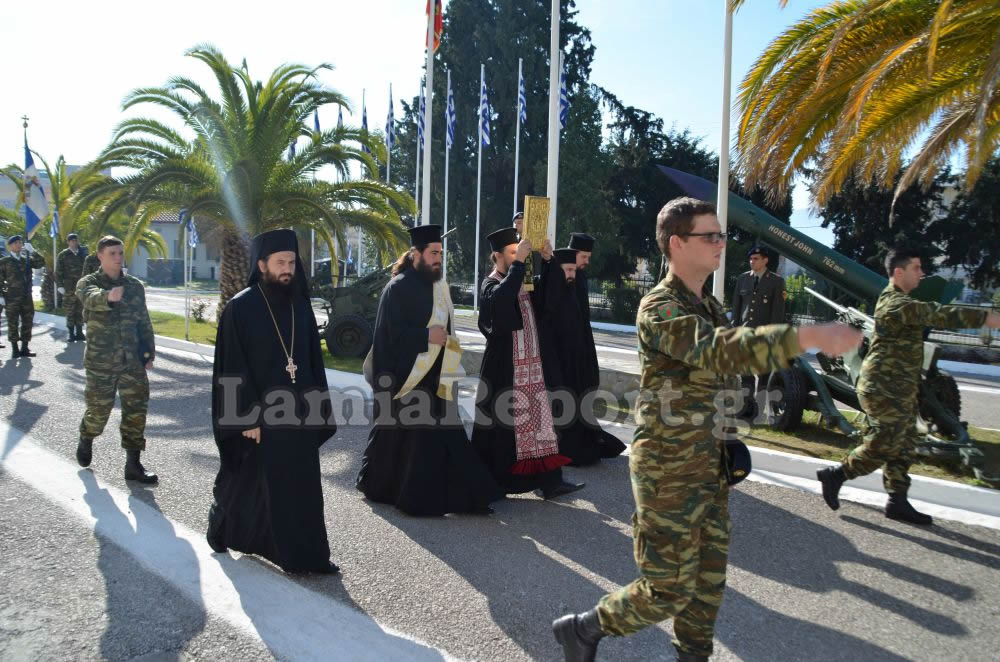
(205, 262)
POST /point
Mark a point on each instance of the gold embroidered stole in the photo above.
(442, 314)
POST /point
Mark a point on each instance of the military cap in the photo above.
(72, 235)
(13, 238)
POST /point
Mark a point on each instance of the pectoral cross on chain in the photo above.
(291, 368)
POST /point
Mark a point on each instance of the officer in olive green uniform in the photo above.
(119, 352)
(69, 270)
(889, 382)
(677, 462)
(15, 284)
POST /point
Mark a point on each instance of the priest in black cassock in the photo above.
(268, 493)
(518, 365)
(562, 318)
(418, 456)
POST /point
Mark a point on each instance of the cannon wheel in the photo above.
(945, 389)
(787, 409)
(348, 336)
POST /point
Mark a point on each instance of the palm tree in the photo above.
(857, 86)
(233, 173)
(63, 185)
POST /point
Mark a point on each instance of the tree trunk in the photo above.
(46, 288)
(232, 268)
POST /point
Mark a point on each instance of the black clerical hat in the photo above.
(581, 241)
(275, 241)
(422, 235)
(502, 238)
(14, 237)
(565, 255)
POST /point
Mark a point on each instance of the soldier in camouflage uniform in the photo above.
(91, 263)
(69, 270)
(119, 352)
(15, 286)
(888, 385)
(681, 520)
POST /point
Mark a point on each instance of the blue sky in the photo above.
(664, 56)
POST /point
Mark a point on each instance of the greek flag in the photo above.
(364, 128)
(563, 97)
(54, 227)
(522, 99)
(316, 120)
(390, 125)
(484, 115)
(340, 118)
(449, 118)
(291, 150)
(420, 117)
(35, 206)
(192, 232)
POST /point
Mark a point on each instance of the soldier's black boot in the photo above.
(84, 451)
(134, 469)
(25, 351)
(79, 332)
(832, 479)
(899, 508)
(691, 657)
(578, 634)
(72, 334)
(14, 351)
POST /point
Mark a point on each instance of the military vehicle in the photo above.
(805, 387)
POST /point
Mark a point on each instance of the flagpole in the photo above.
(447, 153)
(312, 252)
(55, 274)
(479, 186)
(425, 206)
(416, 179)
(187, 300)
(388, 143)
(552, 178)
(517, 134)
(722, 195)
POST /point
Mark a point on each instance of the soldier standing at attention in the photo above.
(15, 284)
(889, 381)
(681, 519)
(69, 270)
(119, 352)
(758, 299)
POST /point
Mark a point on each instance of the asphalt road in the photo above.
(94, 568)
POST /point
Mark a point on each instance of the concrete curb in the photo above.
(770, 465)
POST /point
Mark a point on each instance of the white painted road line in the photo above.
(295, 622)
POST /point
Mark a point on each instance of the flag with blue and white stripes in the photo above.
(54, 227)
(484, 115)
(316, 120)
(420, 116)
(291, 150)
(563, 95)
(340, 118)
(364, 128)
(390, 125)
(183, 216)
(449, 118)
(35, 206)
(522, 99)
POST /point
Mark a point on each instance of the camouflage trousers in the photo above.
(681, 543)
(889, 440)
(74, 309)
(20, 315)
(128, 379)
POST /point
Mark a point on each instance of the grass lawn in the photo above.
(197, 285)
(172, 326)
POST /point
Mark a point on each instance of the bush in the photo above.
(624, 304)
(198, 309)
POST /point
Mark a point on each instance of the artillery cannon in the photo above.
(805, 387)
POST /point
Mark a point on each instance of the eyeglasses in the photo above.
(710, 237)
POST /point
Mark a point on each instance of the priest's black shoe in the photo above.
(899, 508)
(84, 451)
(578, 634)
(329, 569)
(832, 479)
(134, 469)
(691, 657)
(214, 533)
(560, 489)
(25, 351)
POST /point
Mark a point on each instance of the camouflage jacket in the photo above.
(69, 268)
(91, 264)
(895, 357)
(686, 352)
(115, 328)
(15, 275)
